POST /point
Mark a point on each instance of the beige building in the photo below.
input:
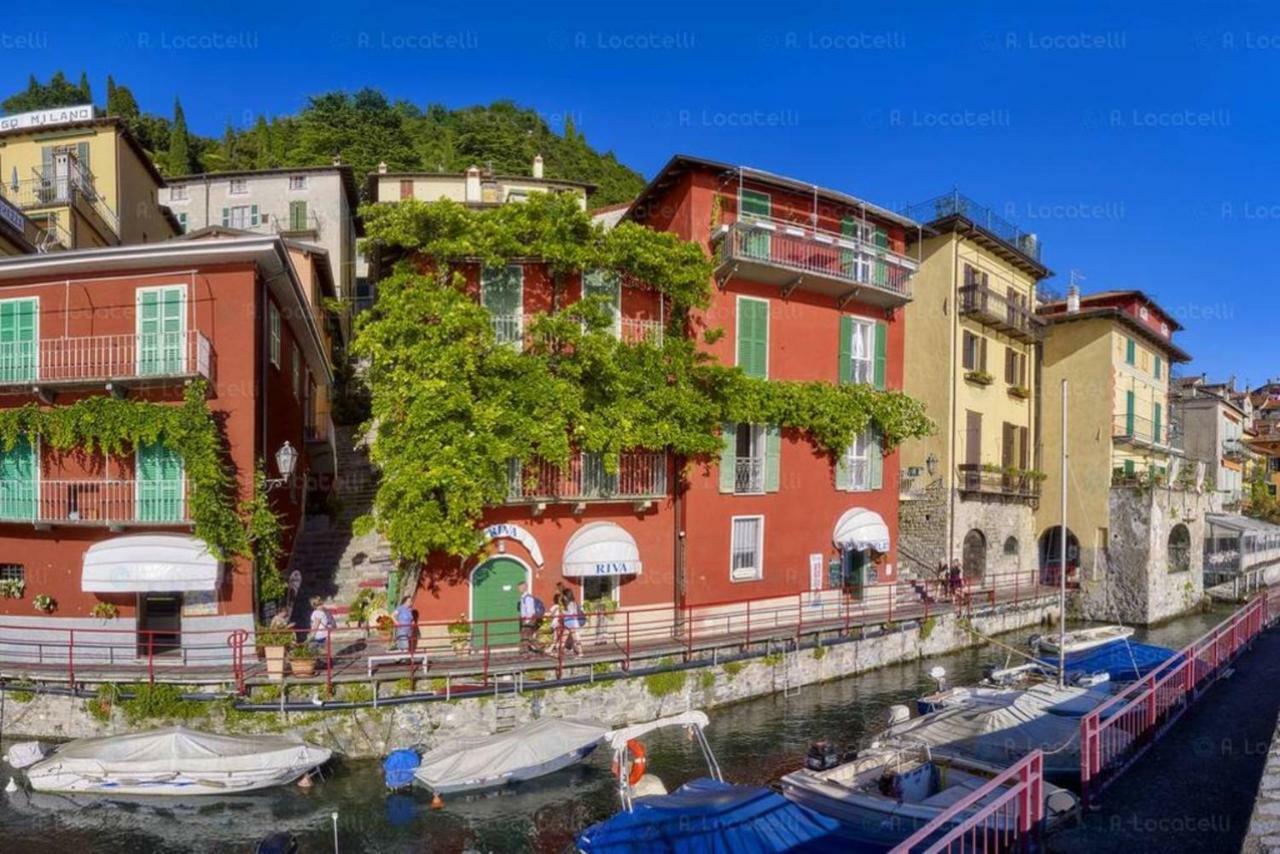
(84, 181)
(968, 492)
(1135, 505)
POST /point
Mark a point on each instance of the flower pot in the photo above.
(303, 667)
(275, 662)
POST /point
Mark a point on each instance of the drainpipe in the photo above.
(678, 582)
(950, 463)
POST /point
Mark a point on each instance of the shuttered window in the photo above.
(161, 330)
(1156, 367)
(608, 285)
(1130, 351)
(861, 467)
(753, 205)
(974, 356)
(753, 337)
(18, 339)
(18, 472)
(273, 325)
(297, 216)
(160, 484)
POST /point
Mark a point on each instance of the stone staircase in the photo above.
(333, 562)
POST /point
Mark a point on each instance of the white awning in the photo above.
(149, 563)
(601, 548)
(860, 529)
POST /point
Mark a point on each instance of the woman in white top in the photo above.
(322, 622)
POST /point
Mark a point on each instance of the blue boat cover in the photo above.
(1124, 660)
(707, 816)
(398, 768)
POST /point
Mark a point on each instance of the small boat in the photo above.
(483, 762)
(1080, 640)
(174, 761)
(705, 814)
(887, 793)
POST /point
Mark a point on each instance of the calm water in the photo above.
(755, 741)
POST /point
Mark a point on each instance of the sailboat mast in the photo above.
(1062, 552)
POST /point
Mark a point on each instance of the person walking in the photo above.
(322, 623)
(556, 615)
(530, 611)
(573, 622)
(404, 626)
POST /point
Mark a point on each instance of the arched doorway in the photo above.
(495, 601)
(1180, 549)
(1050, 548)
(974, 557)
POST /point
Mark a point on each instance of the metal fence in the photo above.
(586, 477)
(956, 203)
(102, 358)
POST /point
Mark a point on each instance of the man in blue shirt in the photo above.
(528, 622)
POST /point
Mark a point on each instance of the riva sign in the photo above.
(45, 118)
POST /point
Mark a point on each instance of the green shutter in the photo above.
(752, 206)
(605, 284)
(159, 491)
(1129, 351)
(1128, 466)
(875, 460)
(728, 456)
(160, 330)
(1157, 367)
(253, 215)
(18, 340)
(18, 481)
(1128, 413)
(844, 368)
(880, 351)
(881, 275)
(848, 257)
(844, 474)
(753, 337)
(226, 217)
(1155, 423)
(297, 216)
(82, 155)
(772, 457)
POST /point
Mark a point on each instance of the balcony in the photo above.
(988, 480)
(640, 476)
(75, 189)
(1235, 450)
(954, 204)
(995, 310)
(91, 360)
(96, 503)
(1139, 432)
(794, 256)
(294, 225)
(513, 329)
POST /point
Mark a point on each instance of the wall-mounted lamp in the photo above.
(931, 463)
(286, 461)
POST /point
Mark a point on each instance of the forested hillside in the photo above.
(363, 128)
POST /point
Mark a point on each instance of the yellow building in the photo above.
(1135, 504)
(83, 180)
(18, 234)
(968, 491)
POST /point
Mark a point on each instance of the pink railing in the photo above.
(1007, 812)
(100, 358)
(488, 649)
(1116, 733)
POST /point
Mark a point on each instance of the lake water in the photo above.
(755, 741)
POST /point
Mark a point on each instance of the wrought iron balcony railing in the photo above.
(985, 480)
(748, 474)
(1133, 429)
(106, 358)
(513, 329)
(95, 502)
(585, 477)
(997, 310)
(956, 204)
(46, 190)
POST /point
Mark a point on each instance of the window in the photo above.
(602, 283)
(161, 322)
(297, 216)
(597, 587)
(753, 337)
(1130, 351)
(182, 222)
(296, 361)
(1179, 549)
(745, 558)
(1164, 329)
(749, 453)
(974, 354)
(861, 467)
(19, 320)
(1156, 367)
(18, 475)
(178, 193)
(1011, 546)
(1015, 367)
(749, 458)
(238, 186)
(1143, 313)
(160, 484)
(862, 351)
(240, 216)
(752, 207)
(297, 182)
(502, 293)
(406, 188)
(273, 323)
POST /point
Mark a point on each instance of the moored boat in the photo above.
(1080, 640)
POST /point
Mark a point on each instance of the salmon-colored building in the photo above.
(808, 286)
(86, 528)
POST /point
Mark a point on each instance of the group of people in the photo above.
(952, 577)
(566, 617)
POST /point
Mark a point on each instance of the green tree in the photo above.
(58, 92)
(179, 155)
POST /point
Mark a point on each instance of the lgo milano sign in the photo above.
(46, 118)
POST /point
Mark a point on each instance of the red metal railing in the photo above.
(1116, 733)
(1007, 813)
(488, 650)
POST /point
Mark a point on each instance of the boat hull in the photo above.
(533, 772)
(176, 785)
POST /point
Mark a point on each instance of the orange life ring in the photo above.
(638, 761)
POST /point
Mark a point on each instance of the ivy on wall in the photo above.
(451, 405)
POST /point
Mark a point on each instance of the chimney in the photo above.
(537, 166)
(471, 192)
(1073, 300)
(337, 160)
(382, 167)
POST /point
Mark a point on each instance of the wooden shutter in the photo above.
(1129, 351)
(1024, 449)
(1157, 367)
(297, 216)
(844, 474)
(728, 456)
(982, 352)
(754, 205)
(608, 285)
(226, 217)
(772, 457)
(1156, 412)
(968, 351)
(159, 488)
(18, 339)
(1008, 442)
(844, 364)
(973, 438)
(875, 460)
(18, 481)
(880, 355)
(253, 214)
(1128, 413)
(1010, 369)
(753, 337)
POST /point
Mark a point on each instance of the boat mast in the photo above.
(1062, 552)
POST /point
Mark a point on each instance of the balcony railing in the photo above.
(1144, 432)
(792, 256)
(106, 358)
(748, 474)
(985, 480)
(309, 223)
(513, 329)
(639, 476)
(52, 191)
(957, 204)
(996, 310)
(1236, 450)
(95, 502)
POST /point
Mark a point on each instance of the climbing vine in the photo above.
(263, 533)
(452, 406)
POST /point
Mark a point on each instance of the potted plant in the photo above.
(364, 605)
(274, 642)
(105, 611)
(979, 377)
(386, 626)
(302, 660)
(1020, 391)
(12, 588)
(44, 603)
(460, 634)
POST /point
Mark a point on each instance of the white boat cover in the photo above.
(618, 738)
(490, 760)
(149, 563)
(601, 548)
(860, 529)
(175, 760)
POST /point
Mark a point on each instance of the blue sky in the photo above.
(1138, 142)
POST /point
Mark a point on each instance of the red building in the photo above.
(808, 283)
(86, 527)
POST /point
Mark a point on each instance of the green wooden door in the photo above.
(18, 340)
(18, 481)
(495, 599)
(159, 495)
(160, 330)
(755, 206)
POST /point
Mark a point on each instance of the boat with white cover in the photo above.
(887, 793)
(1081, 640)
(526, 752)
(170, 761)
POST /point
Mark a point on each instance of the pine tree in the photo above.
(179, 158)
(86, 94)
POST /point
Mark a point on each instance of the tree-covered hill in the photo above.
(363, 128)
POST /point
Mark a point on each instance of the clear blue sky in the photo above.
(1139, 143)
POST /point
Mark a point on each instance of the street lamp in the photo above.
(286, 460)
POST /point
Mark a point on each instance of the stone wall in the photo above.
(999, 519)
(375, 731)
(922, 531)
